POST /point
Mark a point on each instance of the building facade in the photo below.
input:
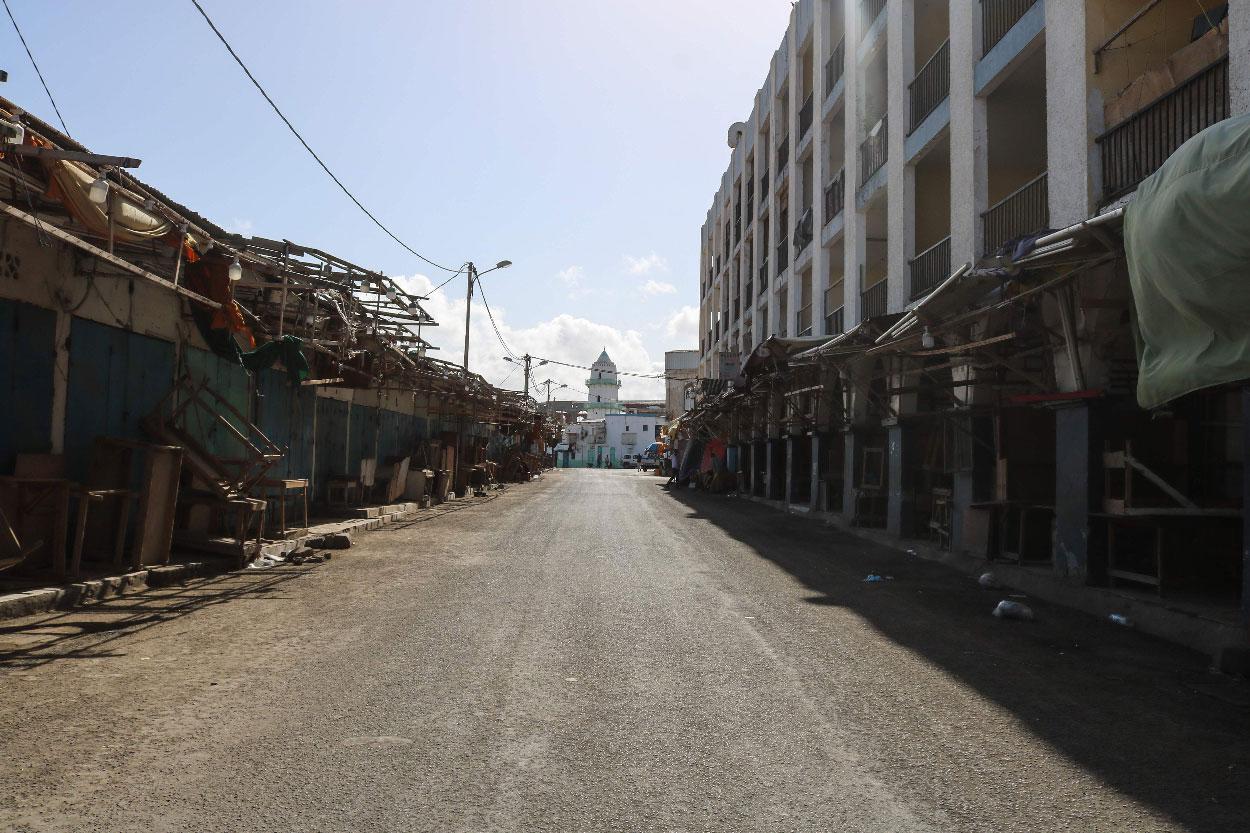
(681, 368)
(895, 139)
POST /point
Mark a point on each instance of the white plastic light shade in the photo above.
(99, 192)
(391, 294)
(926, 339)
(236, 271)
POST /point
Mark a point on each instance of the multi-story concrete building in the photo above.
(895, 139)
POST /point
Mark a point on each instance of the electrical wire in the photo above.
(494, 326)
(38, 72)
(302, 141)
(459, 272)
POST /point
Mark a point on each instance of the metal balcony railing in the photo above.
(997, 18)
(873, 151)
(803, 231)
(835, 66)
(804, 327)
(783, 154)
(805, 117)
(872, 301)
(931, 85)
(834, 322)
(1138, 146)
(1024, 211)
(870, 10)
(783, 255)
(835, 196)
(930, 268)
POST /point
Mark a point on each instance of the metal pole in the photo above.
(468, 305)
(528, 357)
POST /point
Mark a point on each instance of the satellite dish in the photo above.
(736, 131)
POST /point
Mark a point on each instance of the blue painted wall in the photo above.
(27, 365)
(116, 378)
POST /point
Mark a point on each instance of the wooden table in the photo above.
(38, 509)
(283, 487)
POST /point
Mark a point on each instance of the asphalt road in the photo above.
(590, 652)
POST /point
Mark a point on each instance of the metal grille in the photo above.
(835, 196)
(930, 268)
(931, 85)
(834, 67)
(872, 301)
(805, 117)
(1138, 146)
(871, 10)
(997, 18)
(1024, 211)
(872, 153)
(834, 322)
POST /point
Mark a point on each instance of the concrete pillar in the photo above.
(901, 463)
(848, 474)
(1245, 515)
(968, 135)
(789, 441)
(814, 492)
(769, 462)
(853, 231)
(1239, 55)
(901, 209)
(1071, 155)
(1073, 444)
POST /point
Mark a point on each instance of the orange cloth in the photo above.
(210, 277)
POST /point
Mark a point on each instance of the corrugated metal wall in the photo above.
(116, 378)
(27, 366)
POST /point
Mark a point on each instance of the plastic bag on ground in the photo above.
(1013, 610)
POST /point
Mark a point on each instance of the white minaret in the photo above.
(603, 387)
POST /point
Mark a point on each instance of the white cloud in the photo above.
(682, 328)
(238, 226)
(646, 265)
(565, 338)
(654, 287)
(572, 279)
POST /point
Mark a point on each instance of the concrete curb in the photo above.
(63, 597)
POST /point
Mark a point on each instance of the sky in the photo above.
(581, 139)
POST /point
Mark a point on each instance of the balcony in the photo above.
(803, 231)
(804, 327)
(783, 154)
(737, 308)
(835, 196)
(1024, 211)
(764, 276)
(872, 152)
(805, 117)
(783, 255)
(870, 10)
(931, 85)
(835, 66)
(835, 322)
(997, 18)
(872, 301)
(930, 268)
(1138, 146)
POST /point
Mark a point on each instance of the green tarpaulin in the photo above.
(1187, 241)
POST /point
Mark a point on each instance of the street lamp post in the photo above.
(527, 358)
(474, 277)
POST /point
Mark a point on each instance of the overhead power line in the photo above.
(301, 139)
(494, 326)
(34, 64)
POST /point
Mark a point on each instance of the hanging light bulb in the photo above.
(413, 309)
(391, 294)
(236, 270)
(926, 339)
(99, 192)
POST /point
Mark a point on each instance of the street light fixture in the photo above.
(474, 276)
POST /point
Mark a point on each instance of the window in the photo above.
(644, 428)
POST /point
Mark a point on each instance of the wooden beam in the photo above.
(74, 156)
(78, 242)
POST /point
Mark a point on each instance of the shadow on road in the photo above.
(56, 636)
(1143, 716)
